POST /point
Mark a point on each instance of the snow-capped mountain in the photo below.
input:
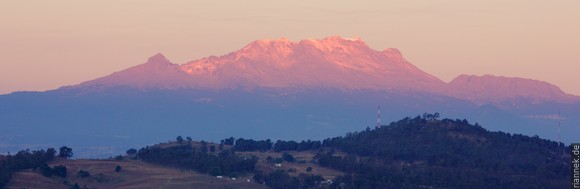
(333, 62)
(275, 89)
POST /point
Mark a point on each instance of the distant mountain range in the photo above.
(333, 62)
(275, 88)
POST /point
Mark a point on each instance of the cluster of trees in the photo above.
(47, 171)
(252, 145)
(26, 159)
(281, 179)
(244, 145)
(426, 152)
(186, 156)
(228, 141)
(297, 146)
(226, 162)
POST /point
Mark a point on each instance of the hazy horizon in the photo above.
(46, 45)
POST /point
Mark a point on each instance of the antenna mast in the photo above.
(379, 117)
(559, 141)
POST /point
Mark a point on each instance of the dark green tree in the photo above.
(118, 168)
(45, 170)
(288, 157)
(131, 151)
(215, 171)
(75, 186)
(59, 171)
(50, 153)
(83, 174)
(65, 152)
(229, 141)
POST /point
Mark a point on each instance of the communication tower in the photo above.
(379, 117)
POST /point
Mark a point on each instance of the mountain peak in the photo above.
(157, 72)
(158, 59)
(394, 53)
(266, 43)
(279, 40)
(266, 47)
(335, 43)
(342, 39)
(285, 46)
(344, 63)
(477, 89)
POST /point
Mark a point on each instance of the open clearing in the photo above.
(134, 174)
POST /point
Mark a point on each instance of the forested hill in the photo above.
(413, 153)
(425, 152)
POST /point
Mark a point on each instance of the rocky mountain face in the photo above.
(333, 62)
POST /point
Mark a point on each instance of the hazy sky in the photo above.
(47, 44)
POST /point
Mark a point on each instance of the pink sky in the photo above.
(47, 44)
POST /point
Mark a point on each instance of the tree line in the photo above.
(186, 156)
(425, 152)
(35, 159)
(244, 145)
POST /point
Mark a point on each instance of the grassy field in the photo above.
(134, 174)
(137, 174)
(305, 157)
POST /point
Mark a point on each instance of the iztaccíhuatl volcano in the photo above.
(333, 62)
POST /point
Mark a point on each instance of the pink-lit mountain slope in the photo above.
(494, 89)
(157, 72)
(331, 62)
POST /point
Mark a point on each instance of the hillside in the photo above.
(426, 152)
(137, 173)
(134, 174)
(420, 152)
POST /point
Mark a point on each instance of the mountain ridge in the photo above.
(332, 62)
(476, 89)
(299, 92)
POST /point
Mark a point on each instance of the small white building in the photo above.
(219, 177)
(278, 165)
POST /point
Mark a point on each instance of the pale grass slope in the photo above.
(134, 174)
